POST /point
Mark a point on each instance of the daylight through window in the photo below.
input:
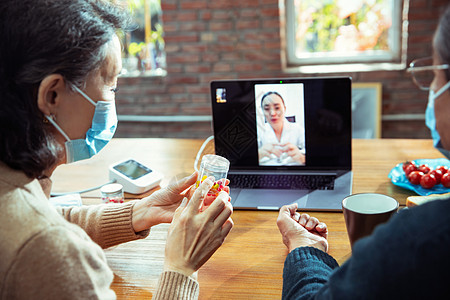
(144, 53)
(343, 31)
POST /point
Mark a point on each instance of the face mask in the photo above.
(104, 124)
(430, 119)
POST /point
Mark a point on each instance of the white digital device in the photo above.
(135, 177)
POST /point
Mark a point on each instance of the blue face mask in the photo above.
(104, 124)
(430, 119)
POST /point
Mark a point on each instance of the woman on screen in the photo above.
(280, 142)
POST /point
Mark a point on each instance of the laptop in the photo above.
(310, 163)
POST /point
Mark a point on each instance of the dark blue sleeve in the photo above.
(306, 270)
(406, 258)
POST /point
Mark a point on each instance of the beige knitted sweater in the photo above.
(43, 256)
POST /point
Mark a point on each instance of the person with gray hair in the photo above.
(405, 258)
(59, 65)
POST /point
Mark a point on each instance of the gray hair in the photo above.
(39, 38)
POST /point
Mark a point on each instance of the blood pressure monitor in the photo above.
(135, 177)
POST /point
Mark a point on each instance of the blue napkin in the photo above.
(398, 177)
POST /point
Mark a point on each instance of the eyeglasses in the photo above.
(422, 71)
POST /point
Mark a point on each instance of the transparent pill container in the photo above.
(112, 193)
(217, 167)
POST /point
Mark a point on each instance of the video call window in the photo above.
(280, 120)
(221, 95)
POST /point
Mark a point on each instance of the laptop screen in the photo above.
(294, 123)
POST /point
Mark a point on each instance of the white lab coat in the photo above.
(292, 133)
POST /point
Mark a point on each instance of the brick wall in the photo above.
(227, 39)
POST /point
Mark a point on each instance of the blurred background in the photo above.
(179, 46)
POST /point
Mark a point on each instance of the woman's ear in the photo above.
(50, 92)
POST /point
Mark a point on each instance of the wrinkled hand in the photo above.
(301, 230)
(194, 236)
(160, 206)
(294, 153)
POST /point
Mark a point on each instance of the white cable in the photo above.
(82, 191)
(200, 151)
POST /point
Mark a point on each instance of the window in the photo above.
(337, 32)
(144, 53)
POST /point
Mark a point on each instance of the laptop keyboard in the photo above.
(264, 181)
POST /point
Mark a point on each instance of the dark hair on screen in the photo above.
(39, 38)
(442, 39)
(268, 94)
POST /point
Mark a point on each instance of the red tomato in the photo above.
(409, 169)
(406, 164)
(437, 174)
(443, 169)
(415, 176)
(445, 180)
(428, 181)
(424, 168)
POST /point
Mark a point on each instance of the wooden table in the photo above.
(249, 265)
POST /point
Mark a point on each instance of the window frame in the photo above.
(393, 59)
(133, 65)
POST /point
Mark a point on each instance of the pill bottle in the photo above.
(217, 167)
(112, 193)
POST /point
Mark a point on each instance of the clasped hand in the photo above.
(301, 230)
(278, 149)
